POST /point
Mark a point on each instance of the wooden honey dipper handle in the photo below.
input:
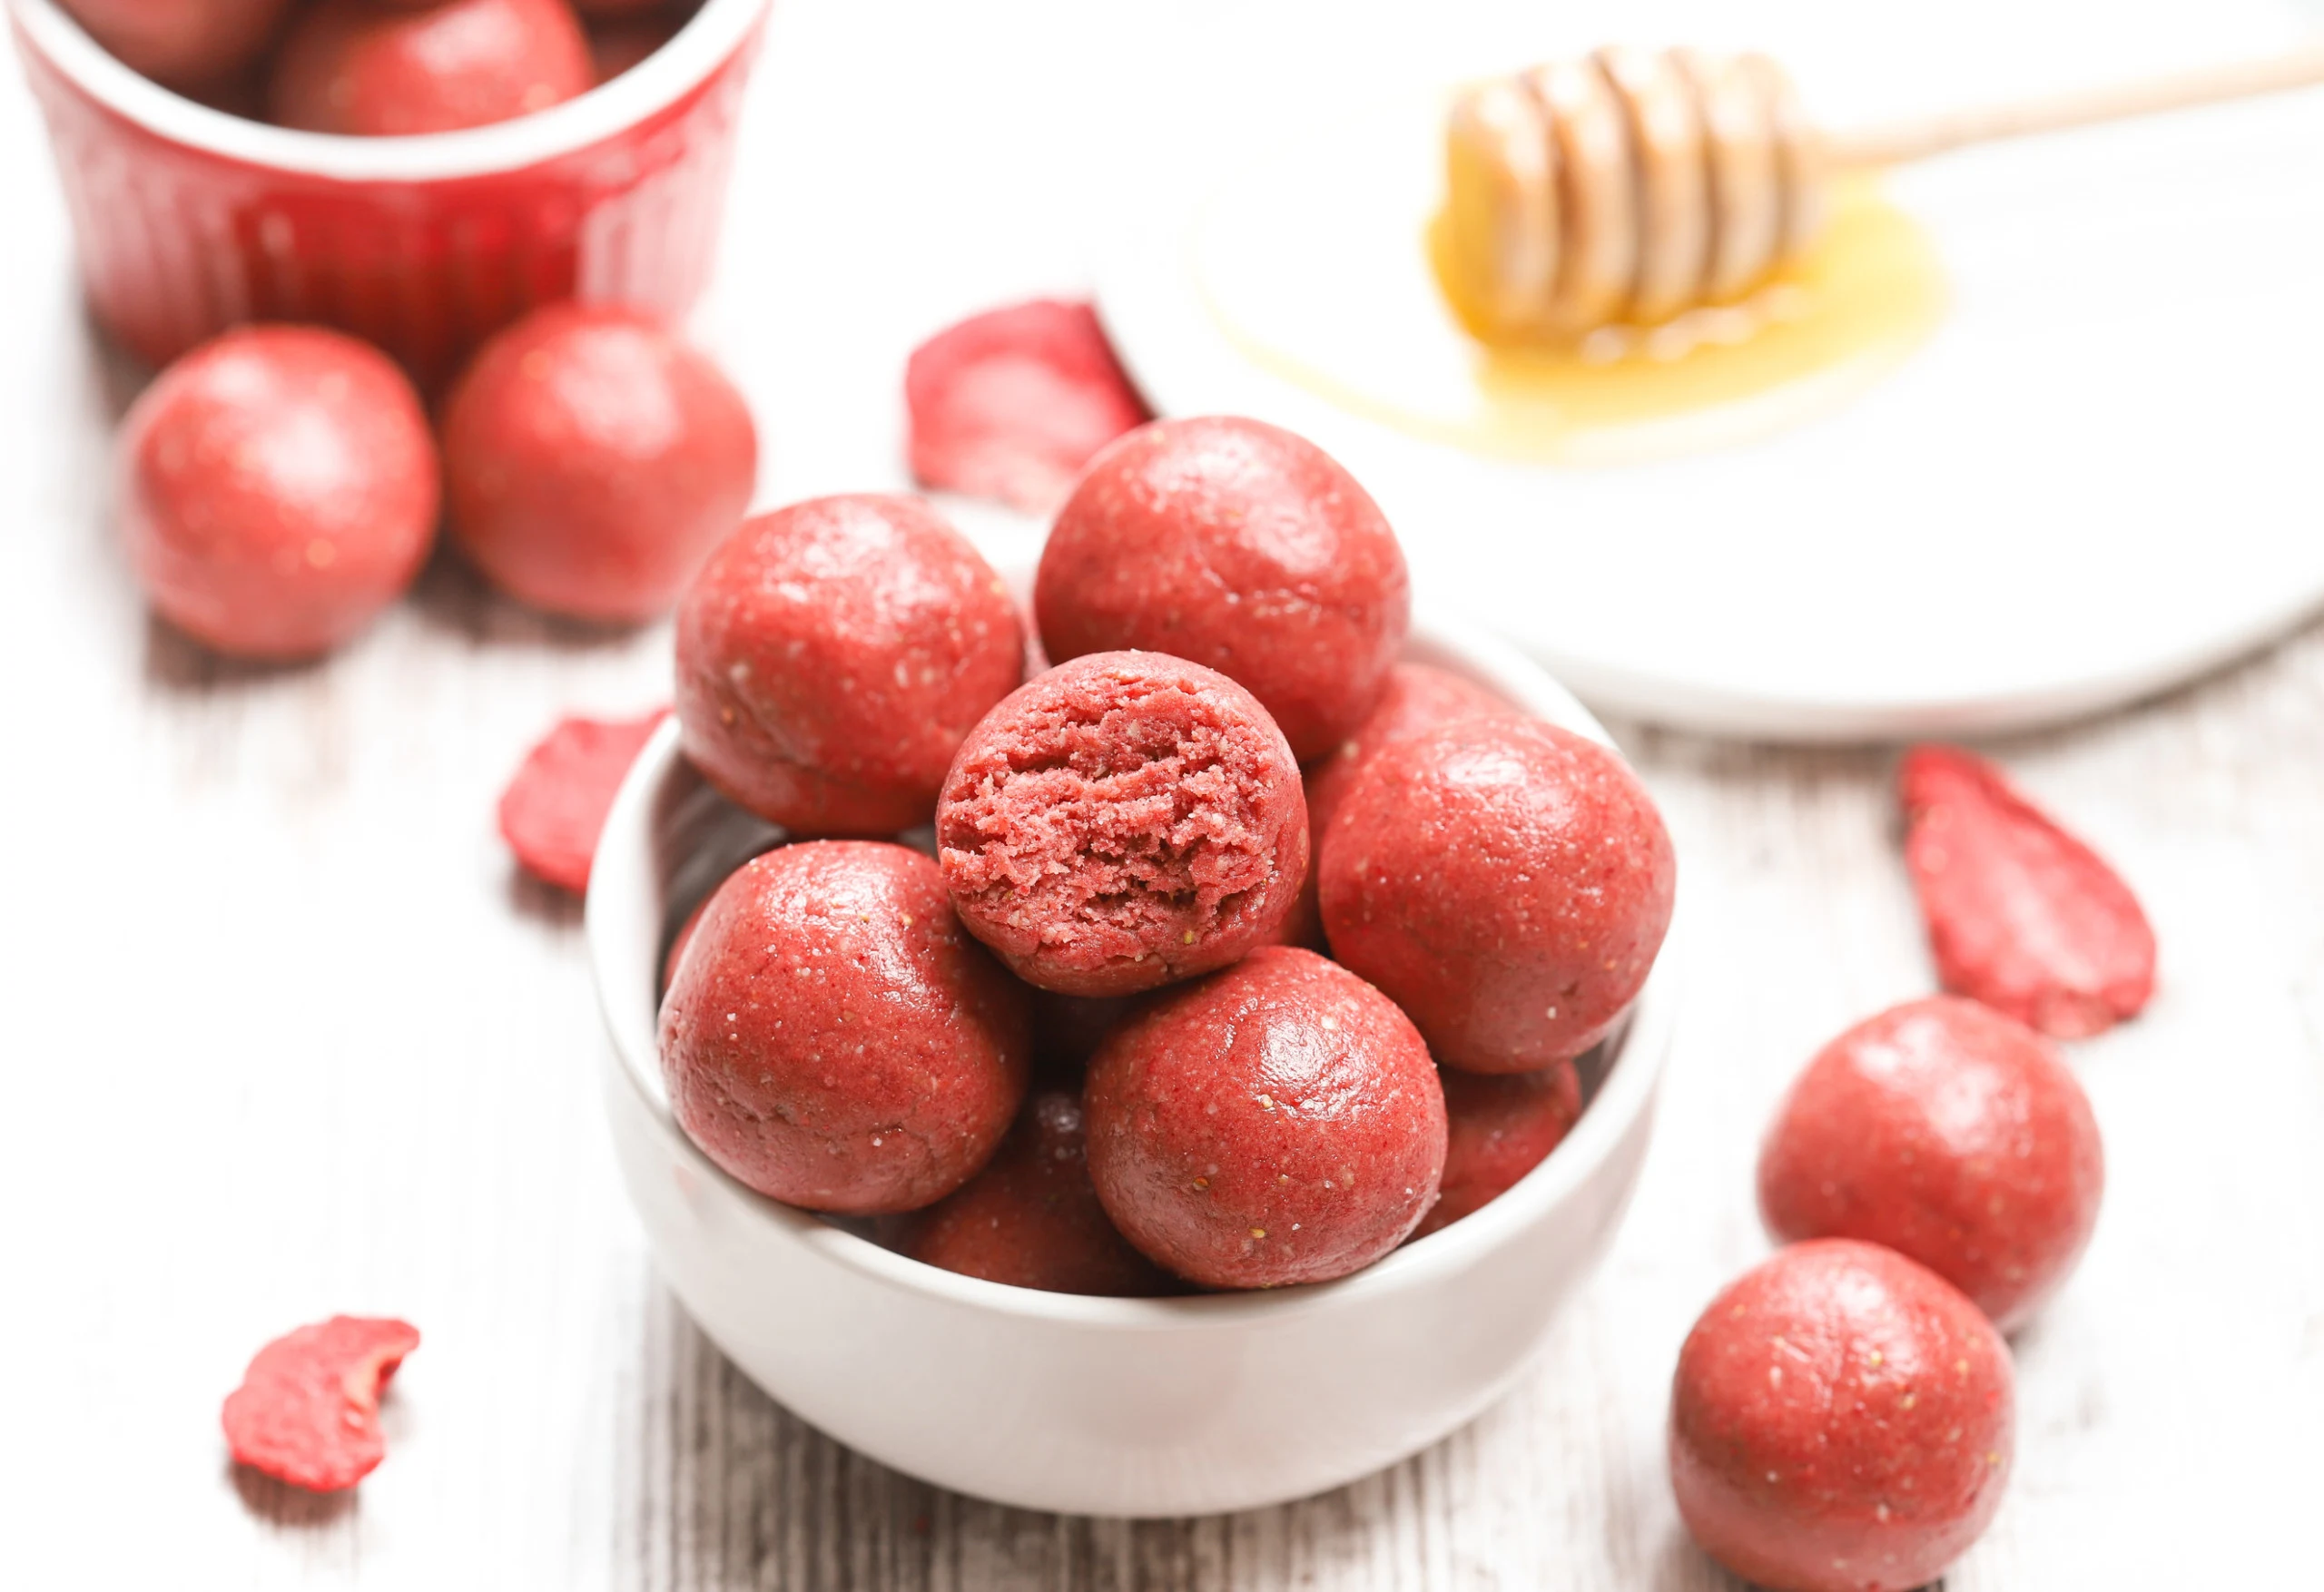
(1917, 140)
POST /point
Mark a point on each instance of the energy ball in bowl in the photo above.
(592, 461)
(1031, 1219)
(833, 1040)
(1279, 1121)
(1500, 1126)
(1841, 1421)
(1950, 1134)
(1506, 882)
(1069, 1028)
(1122, 822)
(279, 488)
(832, 655)
(376, 70)
(1417, 698)
(186, 43)
(1241, 548)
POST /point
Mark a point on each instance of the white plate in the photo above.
(2097, 478)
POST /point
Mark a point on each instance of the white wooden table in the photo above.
(286, 1036)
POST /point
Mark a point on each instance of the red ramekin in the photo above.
(189, 219)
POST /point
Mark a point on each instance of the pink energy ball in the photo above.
(1500, 1126)
(279, 488)
(832, 655)
(592, 461)
(1276, 1122)
(1121, 822)
(1031, 1218)
(833, 1040)
(1069, 1028)
(1417, 697)
(380, 69)
(1240, 547)
(1841, 1421)
(180, 43)
(1506, 882)
(1950, 1134)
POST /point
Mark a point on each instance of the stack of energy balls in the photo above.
(1244, 950)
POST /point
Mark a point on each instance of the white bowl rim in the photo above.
(1627, 1090)
(700, 48)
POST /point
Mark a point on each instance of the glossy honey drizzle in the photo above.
(1836, 320)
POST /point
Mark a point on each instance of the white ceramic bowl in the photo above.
(1139, 1407)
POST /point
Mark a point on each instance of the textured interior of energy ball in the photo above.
(1137, 829)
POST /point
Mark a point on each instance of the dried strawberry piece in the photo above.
(308, 1410)
(1012, 403)
(2021, 914)
(555, 807)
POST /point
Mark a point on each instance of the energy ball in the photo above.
(1276, 1123)
(186, 43)
(1951, 1134)
(1240, 547)
(1500, 1126)
(1069, 1028)
(1417, 698)
(833, 1040)
(592, 461)
(1031, 1218)
(278, 488)
(1507, 882)
(1122, 822)
(832, 655)
(375, 70)
(1841, 1421)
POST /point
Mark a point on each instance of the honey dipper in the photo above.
(1634, 184)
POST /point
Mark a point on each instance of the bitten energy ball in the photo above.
(186, 43)
(1950, 1134)
(1243, 548)
(1841, 1421)
(279, 488)
(592, 461)
(832, 1039)
(1276, 1122)
(1121, 822)
(1031, 1219)
(374, 69)
(1506, 882)
(832, 655)
(1500, 1126)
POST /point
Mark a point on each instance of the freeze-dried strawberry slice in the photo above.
(2021, 914)
(308, 1410)
(552, 809)
(1012, 403)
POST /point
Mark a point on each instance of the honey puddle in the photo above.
(1836, 321)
